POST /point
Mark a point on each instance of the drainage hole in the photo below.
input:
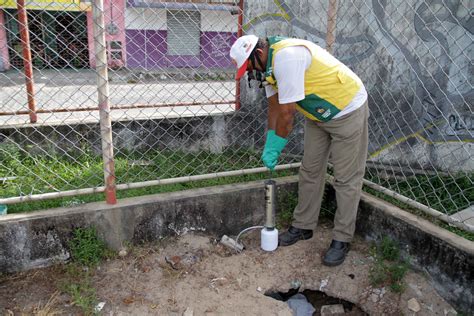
(317, 302)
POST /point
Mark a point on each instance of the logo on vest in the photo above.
(327, 113)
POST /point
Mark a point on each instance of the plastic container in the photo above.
(269, 239)
(3, 209)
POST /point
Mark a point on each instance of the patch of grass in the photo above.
(448, 194)
(87, 251)
(86, 247)
(31, 171)
(286, 204)
(389, 249)
(72, 201)
(83, 295)
(48, 309)
(77, 283)
(388, 269)
(41, 174)
(460, 232)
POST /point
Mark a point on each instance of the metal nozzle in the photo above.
(231, 243)
(270, 204)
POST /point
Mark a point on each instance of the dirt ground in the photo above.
(194, 275)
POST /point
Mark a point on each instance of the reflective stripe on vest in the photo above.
(329, 85)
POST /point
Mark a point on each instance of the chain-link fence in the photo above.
(128, 94)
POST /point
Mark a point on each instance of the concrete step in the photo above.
(466, 216)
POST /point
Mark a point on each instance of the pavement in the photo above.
(69, 90)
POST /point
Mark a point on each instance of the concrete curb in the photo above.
(39, 239)
(444, 257)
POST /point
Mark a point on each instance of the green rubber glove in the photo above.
(272, 150)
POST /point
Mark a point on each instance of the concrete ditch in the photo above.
(40, 239)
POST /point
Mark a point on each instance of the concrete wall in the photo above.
(35, 240)
(211, 133)
(415, 58)
(39, 239)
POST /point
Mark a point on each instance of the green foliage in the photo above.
(86, 247)
(456, 230)
(388, 269)
(83, 295)
(396, 273)
(34, 172)
(446, 194)
(40, 173)
(389, 249)
(77, 283)
(286, 204)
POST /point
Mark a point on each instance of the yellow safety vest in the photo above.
(329, 85)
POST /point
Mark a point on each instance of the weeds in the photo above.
(86, 248)
(33, 173)
(389, 249)
(48, 309)
(83, 295)
(40, 173)
(389, 269)
(286, 204)
(448, 194)
(78, 285)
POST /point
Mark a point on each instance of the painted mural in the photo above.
(422, 85)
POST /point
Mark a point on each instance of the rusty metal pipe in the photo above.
(331, 25)
(118, 107)
(27, 60)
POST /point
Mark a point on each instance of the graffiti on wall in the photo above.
(433, 112)
(219, 45)
(434, 106)
(460, 125)
(287, 15)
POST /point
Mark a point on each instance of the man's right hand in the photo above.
(272, 150)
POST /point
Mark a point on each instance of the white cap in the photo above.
(240, 52)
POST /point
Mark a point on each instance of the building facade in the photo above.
(142, 35)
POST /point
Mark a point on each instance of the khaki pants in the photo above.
(346, 138)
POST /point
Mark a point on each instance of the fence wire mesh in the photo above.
(176, 111)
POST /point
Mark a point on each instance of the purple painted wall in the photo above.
(147, 49)
(215, 47)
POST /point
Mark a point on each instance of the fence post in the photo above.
(27, 61)
(104, 102)
(239, 34)
(331, 27)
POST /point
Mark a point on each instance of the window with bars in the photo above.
(184, 29)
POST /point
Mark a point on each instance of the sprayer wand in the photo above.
(269, 234)
(270, 203)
